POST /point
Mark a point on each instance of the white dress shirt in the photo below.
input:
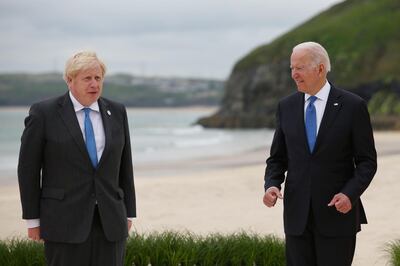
(320, 102)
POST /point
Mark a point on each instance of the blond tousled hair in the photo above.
(82, 61)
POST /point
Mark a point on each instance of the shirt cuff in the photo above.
(32, 223)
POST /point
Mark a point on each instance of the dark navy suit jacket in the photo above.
(57, 181)
(343, 160)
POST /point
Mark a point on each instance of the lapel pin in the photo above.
(335, 104)
(109, 112)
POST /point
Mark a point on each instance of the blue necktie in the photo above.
(311, 123)
(90, 140)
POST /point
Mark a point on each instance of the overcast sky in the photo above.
(185, 38)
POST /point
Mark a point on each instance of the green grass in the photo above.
(393, 249)
(176, 248)
(170, 248)
(18, 252)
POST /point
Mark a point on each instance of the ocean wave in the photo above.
(188, 130)
(202, 142)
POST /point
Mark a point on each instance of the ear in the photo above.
(69, 80)
(321, 69)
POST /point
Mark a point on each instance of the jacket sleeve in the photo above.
(30, 163)
(126, 172)
(364, 154)
(277, 162)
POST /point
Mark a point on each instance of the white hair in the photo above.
(317, 53)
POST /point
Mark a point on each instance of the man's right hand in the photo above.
(34, 233)
(271, 195)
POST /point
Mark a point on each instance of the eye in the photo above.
(297, 68)
(97, 78)
(300, 68)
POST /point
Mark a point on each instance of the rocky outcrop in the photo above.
(250, 97)
(363, 45)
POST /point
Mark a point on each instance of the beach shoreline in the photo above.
(224, 194)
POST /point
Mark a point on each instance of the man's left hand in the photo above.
(341, 202)
(129, 225)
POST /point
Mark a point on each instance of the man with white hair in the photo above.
(324, 143)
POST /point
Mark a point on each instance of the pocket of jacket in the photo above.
(53, 193)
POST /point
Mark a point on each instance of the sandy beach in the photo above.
(224, 194)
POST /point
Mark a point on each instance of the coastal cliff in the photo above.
(362, 38)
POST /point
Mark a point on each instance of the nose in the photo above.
(94, 83)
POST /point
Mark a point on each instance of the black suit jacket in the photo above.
(343, 160)
(57, 181)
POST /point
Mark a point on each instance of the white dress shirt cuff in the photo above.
(31, 223)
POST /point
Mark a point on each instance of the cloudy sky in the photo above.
(186, 38)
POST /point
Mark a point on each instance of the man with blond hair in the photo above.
(323, 149)
(75, 171)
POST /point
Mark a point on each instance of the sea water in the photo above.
(157, 135)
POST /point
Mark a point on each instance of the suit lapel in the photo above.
(67, 114)
(332, 108)
(106, 117)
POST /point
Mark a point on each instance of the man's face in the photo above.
(307, 76)
(87, 85)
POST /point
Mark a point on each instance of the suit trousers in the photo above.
(313, 249)
(95, 251)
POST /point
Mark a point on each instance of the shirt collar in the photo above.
(78, 106)
(322, 94)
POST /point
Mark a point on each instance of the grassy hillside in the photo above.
(362, 38)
